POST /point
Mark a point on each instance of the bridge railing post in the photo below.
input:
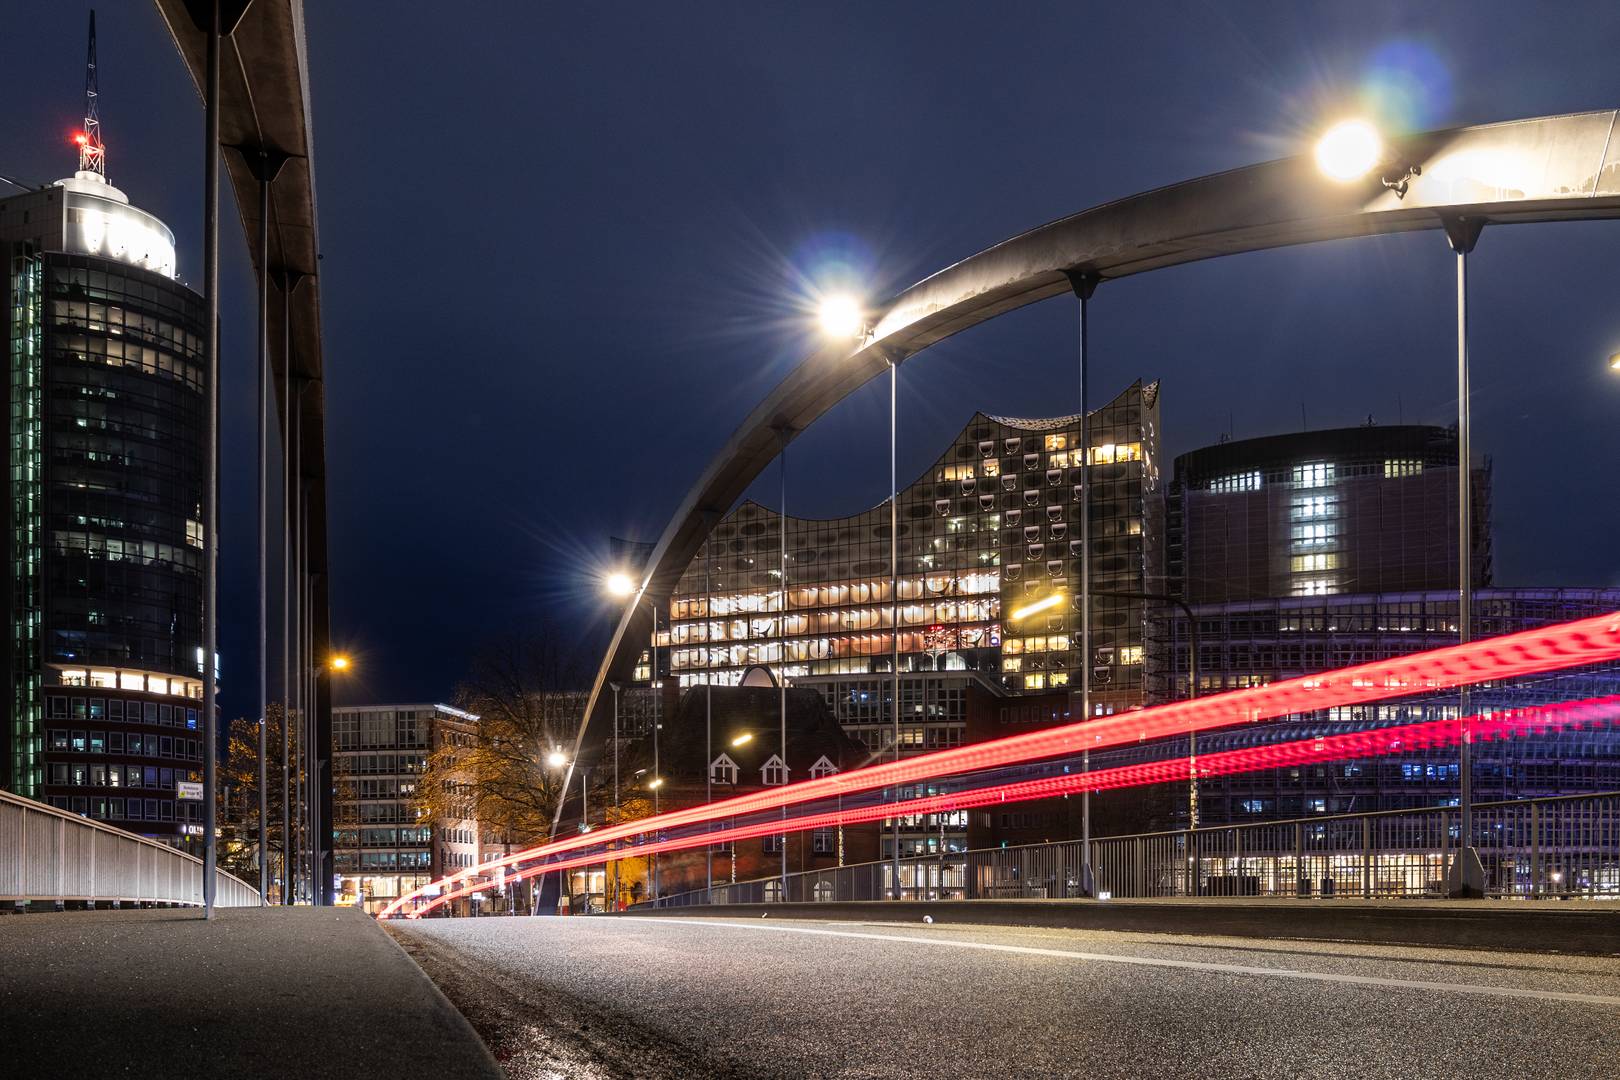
(1535, 890)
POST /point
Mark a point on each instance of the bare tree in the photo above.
(519, 688)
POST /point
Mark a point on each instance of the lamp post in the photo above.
(1083, 283)
(336, 664)
(844, 318)
(556, 759)
(616, 687)
(1347, 152)
(653, 785)
(620, 585)
(783, 435)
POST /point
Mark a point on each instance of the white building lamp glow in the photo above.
(1349, 150)
(840, 317)
(1352, 149)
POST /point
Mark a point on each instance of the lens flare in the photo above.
(1406, 86)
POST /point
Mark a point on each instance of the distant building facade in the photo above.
(1311, 551)
(105, 399)
(989, 575)
(1315, 513)
(1259, 642)
(379, 753)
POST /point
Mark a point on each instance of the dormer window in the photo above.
(722, 770)
(822, 767)
(774, 772)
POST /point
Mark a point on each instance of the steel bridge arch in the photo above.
(1550, 168)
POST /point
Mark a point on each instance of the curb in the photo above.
(1505, 926)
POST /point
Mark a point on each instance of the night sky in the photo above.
(568, 247)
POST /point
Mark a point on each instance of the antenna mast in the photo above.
(92, 154)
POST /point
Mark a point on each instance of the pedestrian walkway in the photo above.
(255, 992)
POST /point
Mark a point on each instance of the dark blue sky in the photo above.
(564, 245)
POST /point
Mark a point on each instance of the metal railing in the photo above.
(49, 855)
(1564, 846)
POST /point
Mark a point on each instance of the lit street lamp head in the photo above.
(744, 739)
(1349, 150)
(1614, 362)
(619, 585)
(556, 759)
(840, 317)
(339, 663)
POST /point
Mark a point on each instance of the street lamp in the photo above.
(1346, 151)
(338, 663)
(840, 317)
(621, 586)
(556, 759)
(1349, 150)
(1614, 362)
(744, 739)
(1352, 149)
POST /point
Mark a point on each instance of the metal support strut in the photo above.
(1465, 877)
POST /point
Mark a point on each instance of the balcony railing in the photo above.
(1562, 847)
(49, 855)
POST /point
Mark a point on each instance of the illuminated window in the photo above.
(1248, 481)
(1012, 663)
(957, 472)
(1313, 474)
(1309, 563)
(1311, 534)
(1311, 506)
(1402, 467)
(990, 467)
(1314, 587)
(194, 533)
(1057, 442)
(1130, 654)
(1034, 682)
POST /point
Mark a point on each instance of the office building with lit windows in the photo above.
(988, 585)
(106, 455)
(383, 848)
(1315, 513)
(1262, 641)
(1305, 552)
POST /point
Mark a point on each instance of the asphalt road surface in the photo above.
(692, 998)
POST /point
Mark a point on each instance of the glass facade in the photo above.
(384, 849)
(106, 448)
(1369, 509)
(1265, 641)
(988, 575)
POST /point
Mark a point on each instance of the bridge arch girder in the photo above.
(1552, 168)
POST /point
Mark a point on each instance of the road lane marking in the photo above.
(1158, 962)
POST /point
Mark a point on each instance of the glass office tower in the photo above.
(106, 452)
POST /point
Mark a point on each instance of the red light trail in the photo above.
(1360, 744)
(1529, 652)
